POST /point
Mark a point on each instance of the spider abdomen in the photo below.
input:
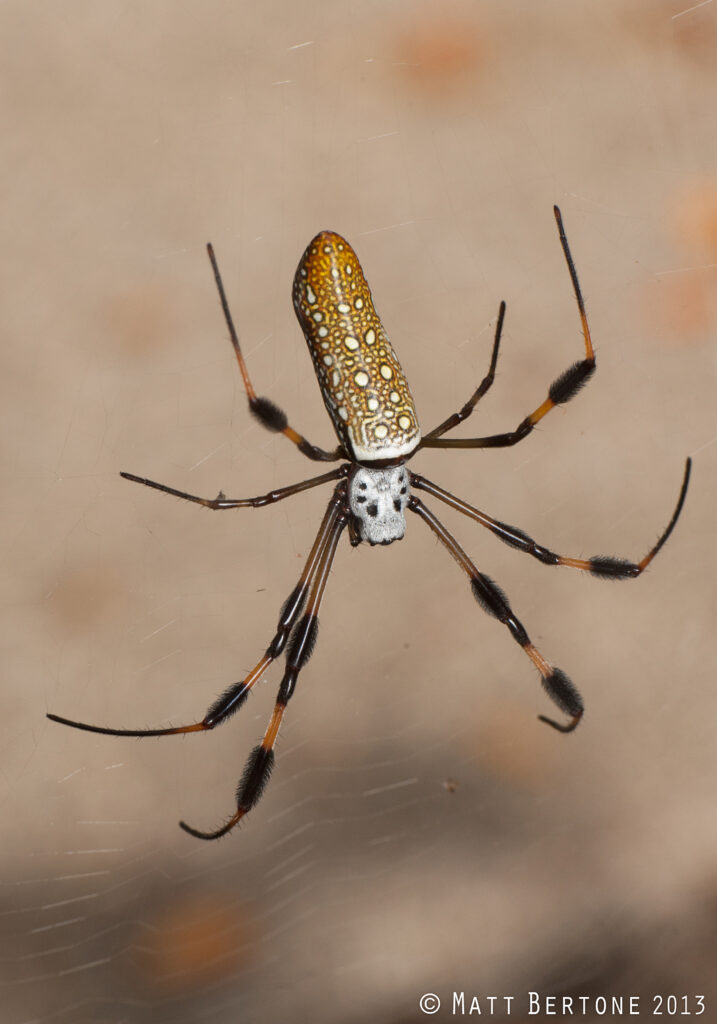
(362, 383)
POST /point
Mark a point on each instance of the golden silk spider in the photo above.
(372, 410)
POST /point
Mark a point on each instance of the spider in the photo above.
(373, 413)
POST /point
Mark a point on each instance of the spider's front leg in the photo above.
(301, 644)
(603, 566)
(490, 597)
(232, 699)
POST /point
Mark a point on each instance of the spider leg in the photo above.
(234, 696)
(492, 600)
(221, 502)
(482, 388)
(563, 388)
(602, 566)
(301, 645)
(268, 414)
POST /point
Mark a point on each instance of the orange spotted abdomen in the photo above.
(361, 380)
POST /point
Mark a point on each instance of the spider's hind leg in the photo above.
(267, 412)
(484, 386)
(563, 388)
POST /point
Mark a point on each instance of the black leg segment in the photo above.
(492, 600)
(602, 566)
(301, 644)
(563, 388)
(266, 412)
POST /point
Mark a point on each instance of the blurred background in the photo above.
(423, 832)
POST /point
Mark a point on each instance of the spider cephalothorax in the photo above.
(378, 499)
(373, 413)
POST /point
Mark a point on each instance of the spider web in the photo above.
(422, 832)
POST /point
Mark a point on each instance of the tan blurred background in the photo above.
(422, 832)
